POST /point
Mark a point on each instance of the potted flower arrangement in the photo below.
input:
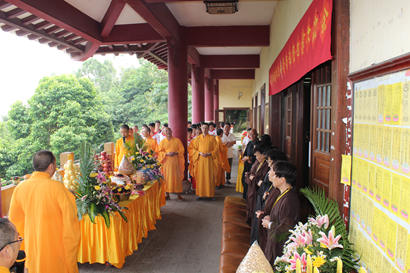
(94, 195)
(147, 166)
(121, 192)
(321, 244)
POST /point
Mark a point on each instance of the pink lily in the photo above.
(330, 242)
(296, 257)
(307, 235)
(322, 220)
(299, 240)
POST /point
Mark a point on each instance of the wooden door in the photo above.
(262, 112)
(255, 112)
(320, 126)
(288, 124)
(321, 134)
(219, 116)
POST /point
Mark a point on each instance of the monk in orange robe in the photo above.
(191, 167)
(150, 143)
(171, 156)
(223, 163)
(204, 150)
(124, 145)
(45, 214)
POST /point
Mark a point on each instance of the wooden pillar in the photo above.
(340, 70)
(197, 78)
(209, 100)
(177, 90)
(216, 99)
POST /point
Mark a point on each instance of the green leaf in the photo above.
(322, 206)
(106, 218)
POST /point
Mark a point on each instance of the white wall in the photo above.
(235, 93)
(379, 30)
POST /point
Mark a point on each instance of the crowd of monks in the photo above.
(265, 177)
(45, 214)
(209, 155)
(268, 184)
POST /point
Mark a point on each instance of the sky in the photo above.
(24, 62)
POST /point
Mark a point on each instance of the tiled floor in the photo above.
(187, 239)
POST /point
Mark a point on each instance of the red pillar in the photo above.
(209, 99)
(197, 78)
(177, 90)
(216, 99)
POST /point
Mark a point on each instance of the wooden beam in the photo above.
(230, 61)
(4, 4)
(233, 74)
(150, 48)
(111, 16)
(89, 51)
(193, 56)
(159, 17)
(132, 34)
(227, 36)
(15, 13)
(29, 19)
(63, 15)
(16, 23)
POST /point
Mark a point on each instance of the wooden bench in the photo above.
(235, 234)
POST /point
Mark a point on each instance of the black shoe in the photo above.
(228, 182)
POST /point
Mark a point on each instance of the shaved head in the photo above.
(43, 159)
(7, 231)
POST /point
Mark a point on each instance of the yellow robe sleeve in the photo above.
(117, 160)
(16, 214)
(71, 226)
(194, 156)
(181, 156)
(162, 151)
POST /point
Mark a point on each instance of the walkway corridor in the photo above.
(187, 239)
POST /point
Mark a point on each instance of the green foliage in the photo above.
(67, 110)
(103, 75)
(19, 120)
(94, 194)
(63, 112)
(322, 206)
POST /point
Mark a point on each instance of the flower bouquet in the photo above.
(321, 244)
(147, 166)
(121, 192)
(311, 245)
(94, 195)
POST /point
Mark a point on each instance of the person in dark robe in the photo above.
(248, 159)
(262, 195)
(254, 178)
(285, 210)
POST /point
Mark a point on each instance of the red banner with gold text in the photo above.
(307, 47)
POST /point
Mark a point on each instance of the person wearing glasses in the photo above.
(10, 243)
(45, 214)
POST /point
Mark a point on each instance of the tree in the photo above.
(19, 121)
(64, 111)
(103, 75)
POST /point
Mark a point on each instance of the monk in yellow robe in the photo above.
(45, 214)
(223, 163)
(124, 145)
(150, 143)
(204, 150)
(171, 156)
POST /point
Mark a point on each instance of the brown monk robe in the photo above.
(270, 196)
(285, 210)
(254, 177)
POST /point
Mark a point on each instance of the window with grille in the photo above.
(322, 119)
